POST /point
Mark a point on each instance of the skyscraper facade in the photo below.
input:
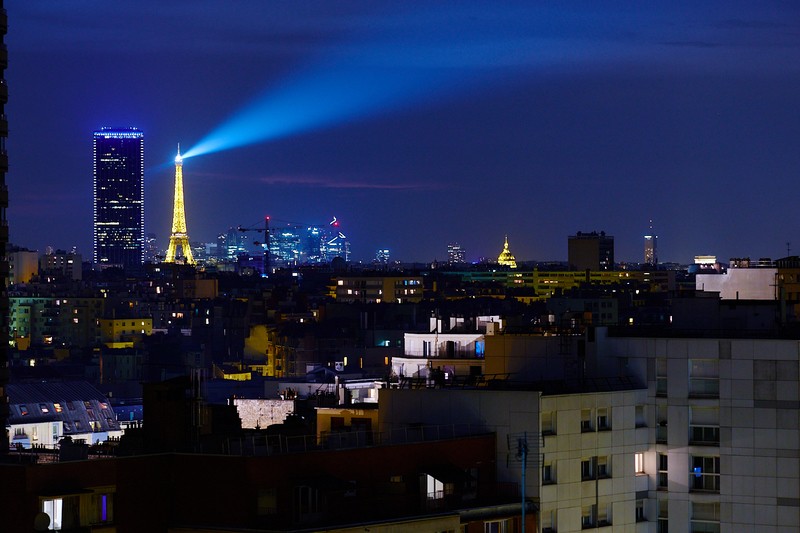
(455, 254)
(650, 252)
(118, 232)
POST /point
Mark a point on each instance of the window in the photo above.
(587, 469)
(307, 501)
(57, 407)
(23, 410)
(44, 408)
(586, 420)
(54, 509)
(662, 478)
(704, 378)
(661, 428)
(638, 462)
(604, 515)
(548, 473)
(705, 517)
(704, 426)
(641, 421)
(603, 419)
(640, 515)
(267, 502)
(498, 526)
(595, 466)
(603, 468)
(661, 377)
(663, 516)
(548, 423)
(549, 522)
(704, 475)
(588, 514)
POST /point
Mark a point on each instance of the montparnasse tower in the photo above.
(179, 236)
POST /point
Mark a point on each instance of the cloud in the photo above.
(326, 182)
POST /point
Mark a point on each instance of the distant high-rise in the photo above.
(650, 252)
(382, 256)
(118, 232)
(591, 251)
(455, 253)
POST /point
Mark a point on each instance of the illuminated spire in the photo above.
(506, 258)
(179, 238)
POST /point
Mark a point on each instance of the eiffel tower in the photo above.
(179, 236)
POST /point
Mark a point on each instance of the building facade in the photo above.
(724, 431)
(591, 251)
(118, 186)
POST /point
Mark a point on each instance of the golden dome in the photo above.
(506, 258)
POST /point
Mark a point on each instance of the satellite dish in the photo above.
(41, 522)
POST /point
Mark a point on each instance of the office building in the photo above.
(118, 232)
(591, 251)
(455, 254)
(650, 248)
(382, 256)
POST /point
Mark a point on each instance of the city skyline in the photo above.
(420, 125)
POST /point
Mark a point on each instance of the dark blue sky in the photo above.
(420, 123)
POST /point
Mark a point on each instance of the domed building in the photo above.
(506, 258)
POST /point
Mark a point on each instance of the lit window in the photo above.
(43, 408)
(639, 463)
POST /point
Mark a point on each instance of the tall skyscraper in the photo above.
(118, 233)
(650, 252)
(3, 233)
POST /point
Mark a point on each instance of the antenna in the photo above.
(518, 450)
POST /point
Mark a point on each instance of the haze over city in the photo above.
(418, 124)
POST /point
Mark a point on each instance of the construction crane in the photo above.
(265, 244)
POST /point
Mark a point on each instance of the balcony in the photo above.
(703, 387)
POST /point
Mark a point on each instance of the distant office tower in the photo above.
(506, 258)
(650, 243)
(285, 245)
(591, 251)
(4, 314)
(382, 256)
(118, 197)
(336, 243)
(151, 251)
(455, 253)
(179, 237)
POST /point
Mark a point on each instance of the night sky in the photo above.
(419, 123)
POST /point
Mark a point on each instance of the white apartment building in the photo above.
(723, 431)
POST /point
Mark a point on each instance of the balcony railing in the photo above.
(704, 482)
(704, 387)
(704, 435)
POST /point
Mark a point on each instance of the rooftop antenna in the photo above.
(518, 446)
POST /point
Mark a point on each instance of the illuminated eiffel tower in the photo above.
(179, 236)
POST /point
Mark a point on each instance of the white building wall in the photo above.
(740, 283)
(759, 428)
